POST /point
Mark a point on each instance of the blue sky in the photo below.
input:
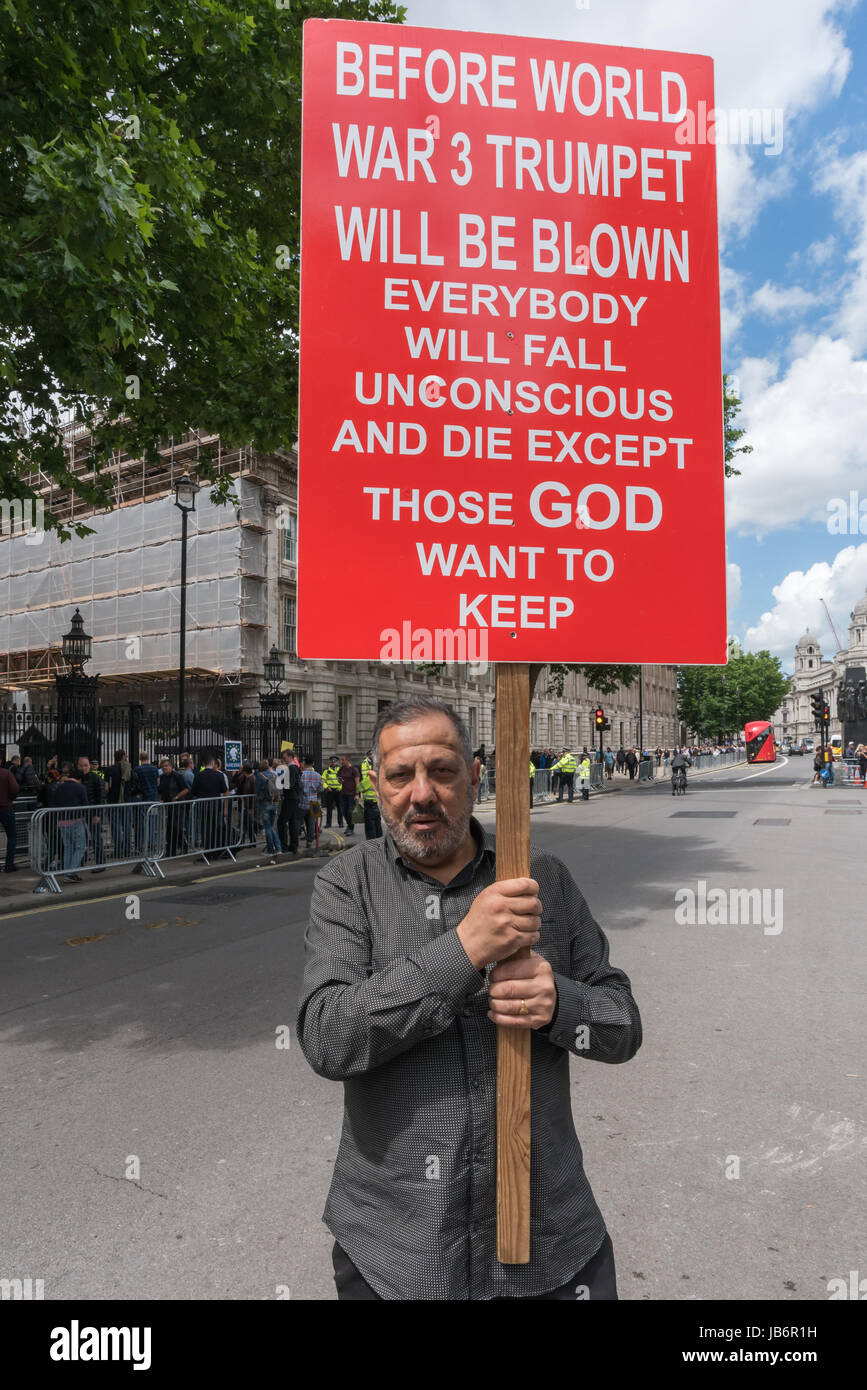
(793, 262)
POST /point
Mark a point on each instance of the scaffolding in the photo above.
(125, 576)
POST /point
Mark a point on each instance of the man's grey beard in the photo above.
(422, 845)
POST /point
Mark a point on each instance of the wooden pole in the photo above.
(513, 1044)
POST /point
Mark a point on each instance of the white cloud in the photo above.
(846, 180)
(733, 586)
(841, 584)
(808, 430)
(778, 300)
(732, 304)
(819, 252)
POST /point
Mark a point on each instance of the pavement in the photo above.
(17, 892)
(163, 1136)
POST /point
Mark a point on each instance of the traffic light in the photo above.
(600, 719)
(826, 715)
(817, 701)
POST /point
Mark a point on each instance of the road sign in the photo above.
(511, 398)
(232, 751)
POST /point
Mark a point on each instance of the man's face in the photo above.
(84, 765)
(426, 790)
(166, 765)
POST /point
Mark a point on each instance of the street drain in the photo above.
(704, 815)
(772, 820)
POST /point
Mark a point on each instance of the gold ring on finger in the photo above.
(523, 1009)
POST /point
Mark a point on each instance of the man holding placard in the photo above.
(402, 999)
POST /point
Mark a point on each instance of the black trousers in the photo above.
(372, 821)
(332, 804)
(597, 1280)
(287, 821)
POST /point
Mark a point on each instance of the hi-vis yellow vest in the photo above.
(367, 790)
(330, 779)
(566, 764)
(532, 769)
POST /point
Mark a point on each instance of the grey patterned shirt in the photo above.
(392, 1006)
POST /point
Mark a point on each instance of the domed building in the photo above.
(814, 672)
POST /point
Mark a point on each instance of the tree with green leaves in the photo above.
(731, 433)
(149, 218)
(713, 700)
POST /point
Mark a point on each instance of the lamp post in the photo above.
(273, 704)
(641, 709)
(185, 501)
(76, 696)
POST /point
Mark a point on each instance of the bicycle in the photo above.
(678, 782)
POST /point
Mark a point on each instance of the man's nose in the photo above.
(422, 790)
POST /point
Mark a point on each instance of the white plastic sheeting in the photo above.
(125, 578)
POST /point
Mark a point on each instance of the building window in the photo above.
(472, 724)
(550, 730)
(343, 708)
(290, 538)
(296, 704)
(533, 729)
(289, 623)
(383, 704)
(809, 663)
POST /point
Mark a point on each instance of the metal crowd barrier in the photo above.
(850, 772)
(24, 807)
(542, 785)
(66, 840)
(206, 825)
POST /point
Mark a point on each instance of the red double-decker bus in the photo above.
(759, 738)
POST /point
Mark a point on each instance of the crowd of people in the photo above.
(284, 799)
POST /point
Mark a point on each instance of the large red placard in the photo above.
(511, 398)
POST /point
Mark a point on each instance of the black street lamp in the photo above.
(76, 696)
(185, 501)
(77, 645)
(273, 704)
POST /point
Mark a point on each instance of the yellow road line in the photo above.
(79, 902)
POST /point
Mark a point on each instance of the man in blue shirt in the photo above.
(147, 779)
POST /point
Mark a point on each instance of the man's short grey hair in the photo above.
(406, 711)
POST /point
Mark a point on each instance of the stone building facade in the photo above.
(814, 672)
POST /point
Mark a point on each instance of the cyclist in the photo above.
(679, 763)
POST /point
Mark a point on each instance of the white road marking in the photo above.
(765, 770)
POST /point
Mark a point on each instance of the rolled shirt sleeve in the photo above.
(354, 1017)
